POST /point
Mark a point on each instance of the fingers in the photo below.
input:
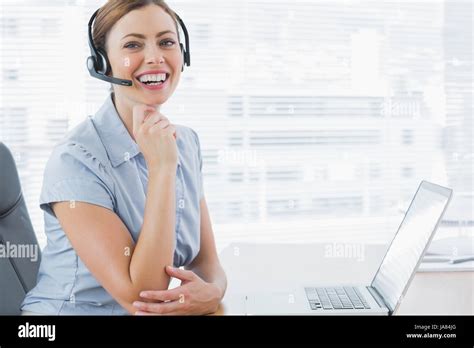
(163, 295)
(178, 272)
(153, 118)
(172, 130)
(146, 118)
(143, 313)
(167, 128)
(139, 113)
(164, 123)
(149, 308)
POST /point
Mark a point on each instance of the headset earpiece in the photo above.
(182, 55)
(104, 66)
(184, 51)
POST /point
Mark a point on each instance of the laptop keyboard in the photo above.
(336, 298)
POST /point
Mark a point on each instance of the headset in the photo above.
(99, 66)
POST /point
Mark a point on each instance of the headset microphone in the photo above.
(99, 66)
(93, 71)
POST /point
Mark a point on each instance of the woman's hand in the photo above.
(155, 136)
(193, 297)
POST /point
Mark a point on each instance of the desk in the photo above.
(251, 267)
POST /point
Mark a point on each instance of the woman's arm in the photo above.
(203, 284)
(106, 247)
(206, 264)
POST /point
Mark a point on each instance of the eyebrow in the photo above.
(141, 36)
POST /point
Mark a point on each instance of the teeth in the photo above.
(152, 78)
(154, 83)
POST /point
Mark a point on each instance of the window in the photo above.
(306, 111)
(407, 172)
(407, 137)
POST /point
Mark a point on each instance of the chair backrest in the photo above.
(20, 254)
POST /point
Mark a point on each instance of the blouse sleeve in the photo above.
(74, 174)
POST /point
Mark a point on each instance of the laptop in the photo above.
(391, 281)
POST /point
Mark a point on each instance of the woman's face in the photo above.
(131, 55)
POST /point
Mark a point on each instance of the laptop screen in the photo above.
(410, 241)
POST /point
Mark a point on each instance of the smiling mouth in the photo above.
(154, 83)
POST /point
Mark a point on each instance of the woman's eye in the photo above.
(130, 44)
(166, 43)
(170, 43)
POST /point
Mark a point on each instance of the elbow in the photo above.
(129, 294)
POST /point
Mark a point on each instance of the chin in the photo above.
(151, 99)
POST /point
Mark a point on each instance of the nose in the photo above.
(154, 55)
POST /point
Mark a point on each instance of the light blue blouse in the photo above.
(99, 163)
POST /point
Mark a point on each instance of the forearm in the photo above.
(155, 246)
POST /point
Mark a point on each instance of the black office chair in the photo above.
(17, 274)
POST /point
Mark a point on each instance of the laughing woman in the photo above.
(122, 193)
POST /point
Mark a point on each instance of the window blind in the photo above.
(317, 119)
